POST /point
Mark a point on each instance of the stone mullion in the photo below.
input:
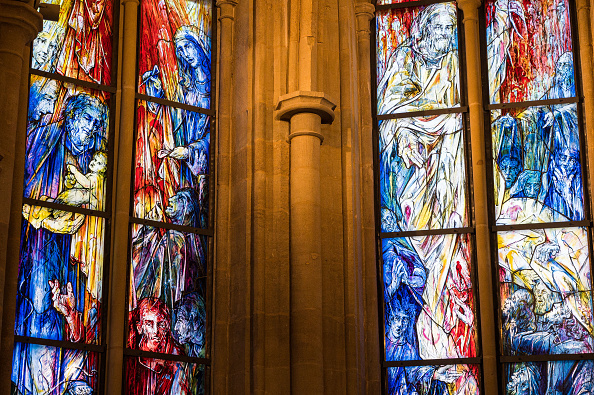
(479, 185)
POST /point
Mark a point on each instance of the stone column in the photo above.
(587, 80)
(19, 24)
(479, 184)
(306, 111)
(222, 350)
(118, 301)
(364, 12)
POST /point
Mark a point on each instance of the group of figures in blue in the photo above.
(61, 267)
(544, 274)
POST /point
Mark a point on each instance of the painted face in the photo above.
(47, 98)
(97, 164)
(44, 49)
(154, 330)
(440, 31)
(510, 169)
(543, 300)
(567, 162)
(389, 221)
(398, 327)
(82, 126)
(186, 50)
(175, 207)
(182, 328)
(532, 188)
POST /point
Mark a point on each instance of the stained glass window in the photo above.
(429, 306)
(60, 306)
(539, 208)
(167, 346)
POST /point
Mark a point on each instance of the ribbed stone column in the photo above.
(306, 111)
(479, 184)
(121, 208)
(364, 12)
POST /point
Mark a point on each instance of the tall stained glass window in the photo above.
(426, 243)
(167, 347)
(60, 308)
(540, 237)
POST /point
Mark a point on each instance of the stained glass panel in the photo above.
(554, 377)
(537, 170)
(174, 61)
(382, 2)
(167, 288)
(417, 59)
(529, 50)
(171, 163)
(79, 44)
(59, 291)
(157, 376)
(433, 379)
(66, 152)
(422, 173)
(38, 369)
(545, 289)
(428, 299)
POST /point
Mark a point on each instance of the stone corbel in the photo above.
(305, 102)
(364, 11)
(25, 18)
(226, 7)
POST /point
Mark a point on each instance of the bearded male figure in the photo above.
(422, 180)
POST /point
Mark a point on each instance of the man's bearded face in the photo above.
(154, 330)
(439, 34)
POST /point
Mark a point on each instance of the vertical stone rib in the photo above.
(121, 208)
(484, 277)
(364, 12)
(222, 349)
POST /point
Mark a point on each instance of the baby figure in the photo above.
(80, 189)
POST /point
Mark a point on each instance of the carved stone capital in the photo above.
(364, 11)
(305, 102)
(469, 8)
(21, 23)
(226, 7)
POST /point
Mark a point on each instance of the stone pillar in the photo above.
(19, 24)
(587, 80)
(364, 12)
(222, 349)
(479, 184)
(306, 111)
(118, 301)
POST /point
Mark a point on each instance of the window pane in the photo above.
(174, 60)
(434, 379)
(422, 173)
(79, 44)
(417, 59)
(554, 377)
(167, 291)
(537, 170)
(156, 376)
(545, 289)
(59, 292)
(38, 369)
(66, 152)
(529, 50)
(428, 298)
(172, 162)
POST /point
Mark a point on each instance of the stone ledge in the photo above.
(305, 102)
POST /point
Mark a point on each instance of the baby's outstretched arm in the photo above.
(80, 178)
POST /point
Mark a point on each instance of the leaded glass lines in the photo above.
(429, 309)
